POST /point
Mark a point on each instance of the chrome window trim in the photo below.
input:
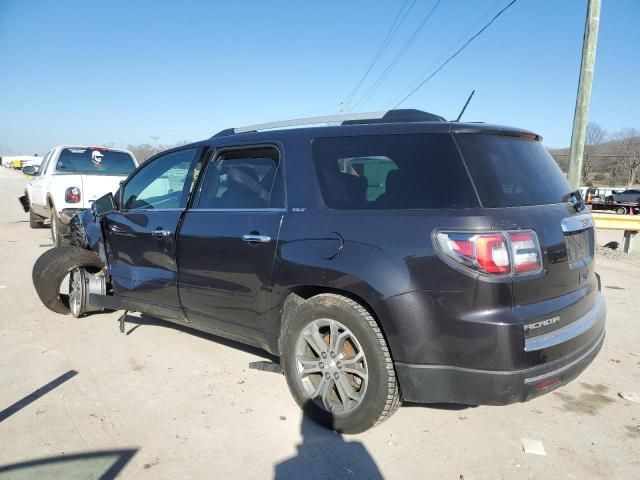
(222, 210)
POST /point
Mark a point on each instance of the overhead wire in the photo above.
(446, 52)
(421, 84)
(395, 26)
(403, 50)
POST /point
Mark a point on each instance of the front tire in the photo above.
(52, 267)
(338, 365)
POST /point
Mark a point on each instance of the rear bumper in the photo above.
(449, 384)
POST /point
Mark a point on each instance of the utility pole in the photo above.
(580, 117)
(155, 143)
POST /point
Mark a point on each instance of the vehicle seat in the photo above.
(243, 189)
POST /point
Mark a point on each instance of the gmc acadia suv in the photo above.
(387, 257)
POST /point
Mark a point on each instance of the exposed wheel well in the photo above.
(300, 294)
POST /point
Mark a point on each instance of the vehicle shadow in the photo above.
(324, 454)
(102, 465)
(36, 394)
(143, 319)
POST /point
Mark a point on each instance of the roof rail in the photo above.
(390, 116)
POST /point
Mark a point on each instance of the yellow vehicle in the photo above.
(17, 164)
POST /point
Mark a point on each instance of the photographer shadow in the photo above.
(325, 454)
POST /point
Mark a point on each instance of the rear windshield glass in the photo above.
(95, 161)
(417, 171)
(512, 172)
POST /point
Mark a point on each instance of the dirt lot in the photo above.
(175, 404)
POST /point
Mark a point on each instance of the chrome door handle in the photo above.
(256, 238)
(161, 233)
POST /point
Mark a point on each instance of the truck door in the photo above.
(141, 236)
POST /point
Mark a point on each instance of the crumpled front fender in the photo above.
(86, 232)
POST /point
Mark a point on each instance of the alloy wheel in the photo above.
(331, 365)
(76, 291)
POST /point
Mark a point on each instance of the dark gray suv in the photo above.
(385, 257)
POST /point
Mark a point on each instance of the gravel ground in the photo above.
(169, 403)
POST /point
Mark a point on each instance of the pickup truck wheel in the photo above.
(338, 365)
(35, 220)
(621, 210)
(51, 269)
(58, 239)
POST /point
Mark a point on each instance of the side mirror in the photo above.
(30, 170)
(103, 205)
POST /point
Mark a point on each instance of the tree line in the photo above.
(608, 159)
(144, 151)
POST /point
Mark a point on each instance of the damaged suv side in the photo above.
(390, 257)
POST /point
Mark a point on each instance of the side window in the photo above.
(160, 184)
(245, 179)
(382, 172)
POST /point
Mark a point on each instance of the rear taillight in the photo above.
(525, 252)
(72, 195)
(493, 253)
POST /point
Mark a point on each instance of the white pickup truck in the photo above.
(69, 180)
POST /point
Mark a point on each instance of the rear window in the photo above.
(95, 161)
(512, 172)
(378, 172)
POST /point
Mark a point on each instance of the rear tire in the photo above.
(621, 210)
(52, 267)
(59, 240)
(365, 392)
(35, 220)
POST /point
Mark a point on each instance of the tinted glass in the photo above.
(243, 179)
(511, 172)
(95, 161)
(160, 184)
(422, 171)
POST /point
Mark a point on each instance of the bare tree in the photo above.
(144, 151)
(596, 135)
(627, 150)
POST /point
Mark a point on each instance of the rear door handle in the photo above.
(256, 238)
(160, 233)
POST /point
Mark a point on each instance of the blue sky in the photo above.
(121, 71)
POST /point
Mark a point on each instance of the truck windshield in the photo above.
(95, 161)
(511, 171)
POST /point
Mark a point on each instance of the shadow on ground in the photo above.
(324, 454)
(147, 320)
(103, 465)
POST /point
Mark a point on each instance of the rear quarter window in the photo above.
(381, 172)
(511, 171)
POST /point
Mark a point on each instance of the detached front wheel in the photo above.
(57, 266)
(338, 365)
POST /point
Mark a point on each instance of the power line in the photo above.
(395, 26)
(421, 84)
(376, 85)
(446, 52)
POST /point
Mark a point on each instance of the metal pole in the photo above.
(155, 143)
(581, 114)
